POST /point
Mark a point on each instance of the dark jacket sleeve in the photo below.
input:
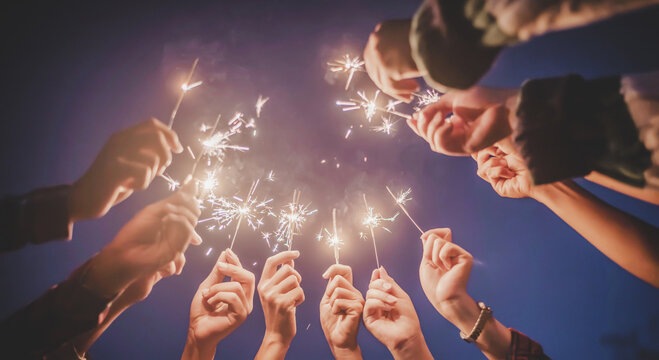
(523, 348)
(568, 127)
(62, 313)
(34, 218)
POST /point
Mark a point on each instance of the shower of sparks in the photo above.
(347, 65)
(266, 237)
(271, 176)
(291, 218)
(171, 183)
(332, 238)
(369, 106)
(184, 89)
(401, 199)
(386, 127)
(259, 105)
(208, 185)
(226, 211)
(429, 97)
(203, 150)
(373, 221)
(208, 252)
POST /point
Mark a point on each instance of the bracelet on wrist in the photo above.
(485, 314)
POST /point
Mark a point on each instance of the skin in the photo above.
(128, 162)
(340, 312)
(390, 316)
(156, 236)
(628, 241)
(218, 307)
(444, 271)
(388, 59)
(280, 293)
(480, 117)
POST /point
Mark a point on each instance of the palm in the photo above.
(440, 284)
(210, 323)
(340, 326)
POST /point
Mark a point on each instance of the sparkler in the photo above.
(259, 105)
(332, 238)
(347, 65)
(401, 199)
(374, 220)
(369, 106)
(291, 219)
(228, 210)
(429, 97)
(172, 184)
(184, 88)
(386, 127)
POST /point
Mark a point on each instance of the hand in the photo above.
(341, 311)
(280, 293)
(388, 59)
(129, 161)
(154, 237)
(481, 117)
(218, 307)
(502, 167)
(390, 316)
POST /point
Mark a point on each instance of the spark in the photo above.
(386, 127)
(338, 165)
(308, 326)
(332, 238)
(291, 218)
(373, 221)
(184, 89)
(209, 184)
(254, 263)
(347, 65)
(348, 133)
(171, 183)
(429, 97)
(259, 105)
(266, 237)
(208, 252)
(323, 161)
(401, 199)
(369, 106)
(271, 176)
(191, 153)
(204, 128)
(235, 209)
(365, 159)
(391, 104)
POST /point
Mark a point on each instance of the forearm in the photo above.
(195, 350)
(647, 194)
(347, 354)
(272, 348)
(414, 348)
(463, 312)
(628, 241)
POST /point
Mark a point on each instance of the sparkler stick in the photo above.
(186, 86)
(400, 200)
(370, 227)
(335, 245)
(332, 239)
(296, 199)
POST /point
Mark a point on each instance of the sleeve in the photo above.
(568, 127)
(63, 312)
(523, 348)
(34, 218)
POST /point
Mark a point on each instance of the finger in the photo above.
(347, 306)
(396, 290)
(226, 287)
(232, 258)
(133, 175)
(230, 298)
(436, 121)
(168, 269)
(270, 266)
(286, 285)
(382, 296)
(336, 282)
(179, 263)
(412, 123)
(375, 275)
(181, 210)
(294, 297)
(169, 135)
(444, 233)
(500, 172)
(240, 275)
(342, 293)
(151, 141)
(284, 271)
(183, 199)
(177, 232)
(339, 269)
(380, 284)
(373, 307)
(145, 157)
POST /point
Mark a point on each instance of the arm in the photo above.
(390, 316)
(218, 307)
(280, 293)
(628, 241)
(341, 312)
(646, 194)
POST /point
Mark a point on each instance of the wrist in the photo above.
(414, 347)
(461, 311)
(550, 193)
(273, 346)
(353, 352)
(106, 276)
(195, 349)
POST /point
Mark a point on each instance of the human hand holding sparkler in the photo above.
(390, 316)
(388, 59)
(129, 161)
(340, 312)
(464, 122)
(280, 293)
(218, 307)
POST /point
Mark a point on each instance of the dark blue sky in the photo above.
(76, 72)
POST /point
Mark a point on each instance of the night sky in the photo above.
(74, 73)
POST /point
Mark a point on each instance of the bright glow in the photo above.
(348, 65)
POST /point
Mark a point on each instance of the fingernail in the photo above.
(204, 292)
(231, 252)
(326, 274)
(297, 253)
(386, 286)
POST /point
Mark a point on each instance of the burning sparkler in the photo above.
(369, 106)
(259, 105)
(374, 220)
(291, 219)
(401, 199)
(185, 87)
(429, 97)
(332, 239)
(228, 210)
(386, 127)
(171, 183)
(347, 65)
